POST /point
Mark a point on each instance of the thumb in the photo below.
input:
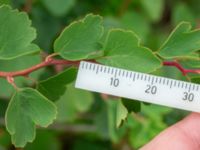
(184, 135)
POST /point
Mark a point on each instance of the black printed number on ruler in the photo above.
(114, 82)
(151, 89)
(187, 96)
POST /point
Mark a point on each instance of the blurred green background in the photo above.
(89, 124)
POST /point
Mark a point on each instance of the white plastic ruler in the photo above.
(138, 86)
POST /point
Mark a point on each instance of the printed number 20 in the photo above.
(151, 89)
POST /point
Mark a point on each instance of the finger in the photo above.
(185, 135)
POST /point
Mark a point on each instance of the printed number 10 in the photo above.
(114, 82)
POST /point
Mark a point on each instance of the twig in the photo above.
(49, 60)
(178, 66)
(45, 63)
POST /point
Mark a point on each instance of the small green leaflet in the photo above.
(183, 42)
(80, 40)
(27, 109)
(55, 86)
(123, 50)
(16, 34)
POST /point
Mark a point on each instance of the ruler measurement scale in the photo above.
(139, 86)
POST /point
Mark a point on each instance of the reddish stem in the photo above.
(27, 71)
(51, 61)
(178, 66)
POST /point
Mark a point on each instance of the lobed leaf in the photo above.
(27, 109)
(80, 40)
(16, 34)
(182, 42)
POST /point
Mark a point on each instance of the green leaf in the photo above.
(123, 49)
(27, 109)
(73, 102)
(80, 40)
(55, 86)
(58, 7)
(153, 8)
(182, 42)
(16, 34)
(131, 105)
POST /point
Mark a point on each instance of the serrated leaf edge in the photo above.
(76, 22)
(29, 23)
(35, 123)
(171, 34)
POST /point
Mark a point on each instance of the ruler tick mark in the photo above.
(97, 69)
(127, 74)
(133, 76)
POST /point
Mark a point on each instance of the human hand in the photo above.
(184, 135)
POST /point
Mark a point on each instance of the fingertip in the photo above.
(183, 135)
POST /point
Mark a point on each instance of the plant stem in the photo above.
(181, 68)
(51, 61)
(27, 71)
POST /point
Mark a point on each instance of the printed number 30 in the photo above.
(188, 96)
